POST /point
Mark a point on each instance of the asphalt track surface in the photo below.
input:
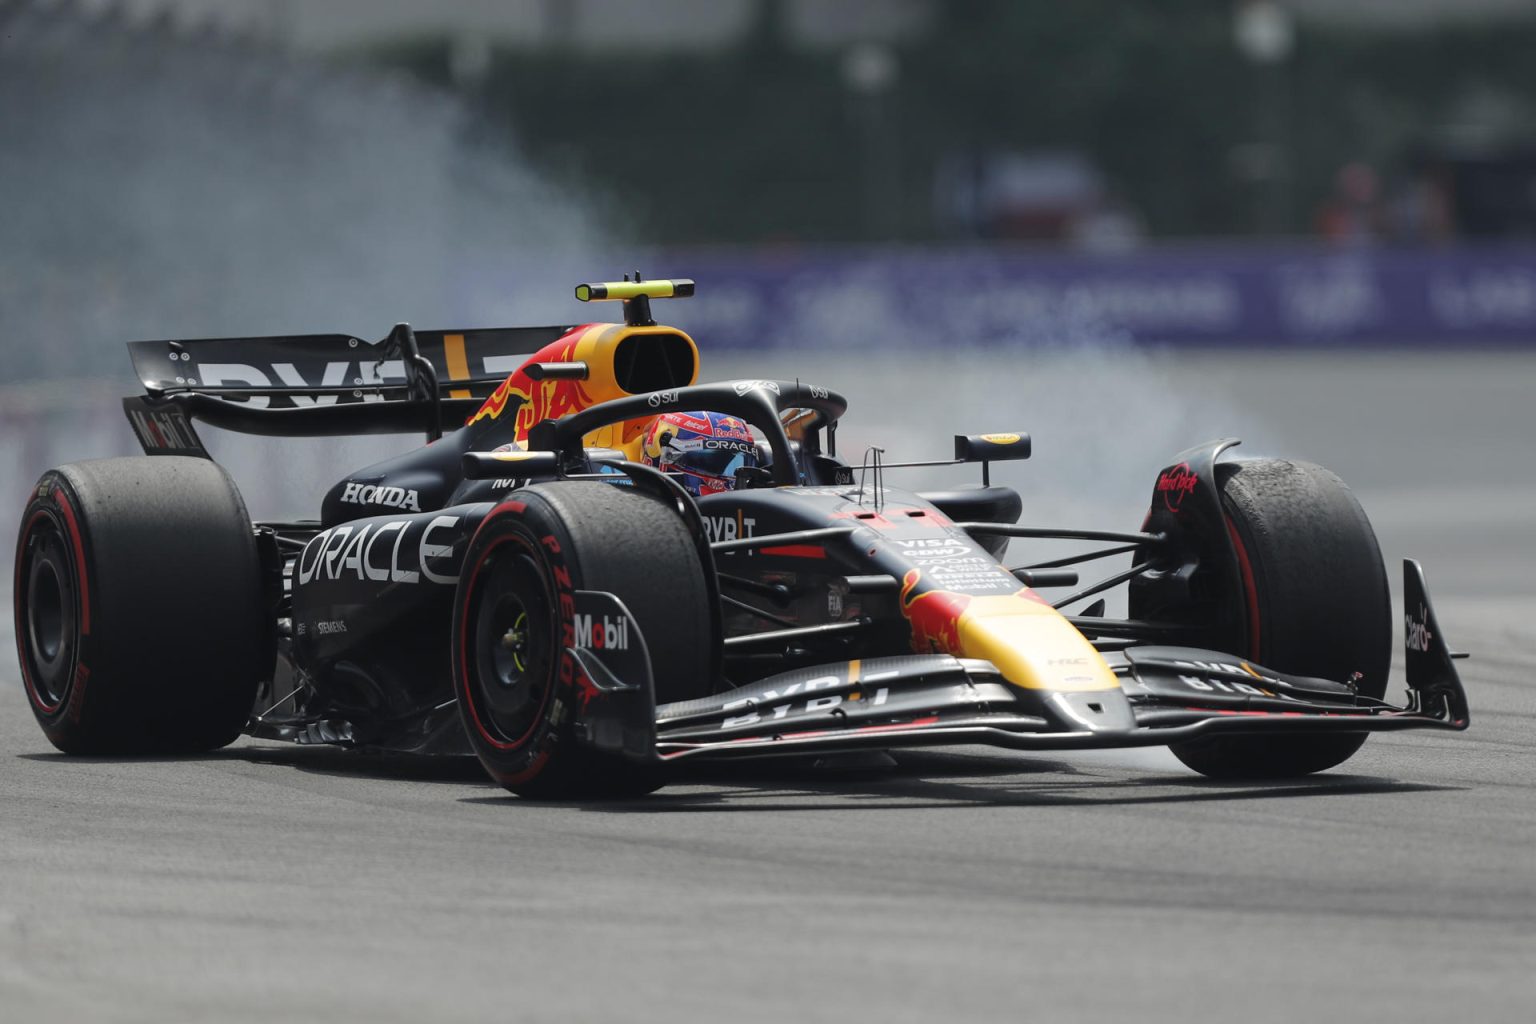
(274, 882)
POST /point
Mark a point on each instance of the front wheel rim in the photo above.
(513, 646)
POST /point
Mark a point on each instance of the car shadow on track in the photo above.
(457, 769)
(918, 780)
(937, 781)
(334, 761)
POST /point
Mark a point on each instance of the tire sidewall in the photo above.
(525, 527)
(1351, 628)
(54, 507)
(1312, 600)
(584, 535)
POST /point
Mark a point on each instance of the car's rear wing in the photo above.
(308, 370)
(320, 384)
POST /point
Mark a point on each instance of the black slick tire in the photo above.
(140, 618)
(516, 685)
(1314, 602)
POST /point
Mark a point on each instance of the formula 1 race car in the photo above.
(530, 587)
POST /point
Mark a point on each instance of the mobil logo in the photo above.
(601, 632)
(1175, 484)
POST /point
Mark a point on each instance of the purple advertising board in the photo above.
(1180, 295)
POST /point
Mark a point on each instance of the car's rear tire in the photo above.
(523, 565)
(140, 618)
(1314, 601)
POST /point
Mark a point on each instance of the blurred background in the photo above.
(1125, 227)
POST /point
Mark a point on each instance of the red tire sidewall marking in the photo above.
(79, 543)
(73, 698)
(1250, 587)
(33, 693)
(76, 702)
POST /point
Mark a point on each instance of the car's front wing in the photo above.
(1166, 695)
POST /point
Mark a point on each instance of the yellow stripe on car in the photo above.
(458, 365)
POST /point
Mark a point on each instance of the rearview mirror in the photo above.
(991, 447)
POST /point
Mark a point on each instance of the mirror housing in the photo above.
(992, 447)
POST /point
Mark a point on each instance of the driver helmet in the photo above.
(701, 450)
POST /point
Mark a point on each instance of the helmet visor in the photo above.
(720, 459)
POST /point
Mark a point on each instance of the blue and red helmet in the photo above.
(702, 450)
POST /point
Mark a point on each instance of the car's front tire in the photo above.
(1312, 600)
(514, 679)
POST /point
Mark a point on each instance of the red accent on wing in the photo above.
(916, 723)
(1278, 714)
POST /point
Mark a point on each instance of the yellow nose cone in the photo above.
(1032, 645)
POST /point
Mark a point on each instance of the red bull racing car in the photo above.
(610, 569)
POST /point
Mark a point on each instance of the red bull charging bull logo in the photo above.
(934, 616)
(538, 400)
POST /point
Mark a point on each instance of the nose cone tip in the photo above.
(1103, 711)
